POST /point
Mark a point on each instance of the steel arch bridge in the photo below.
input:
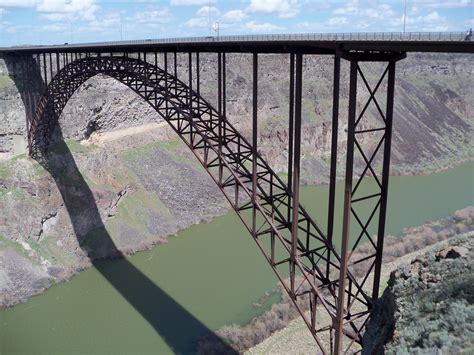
(320, 277)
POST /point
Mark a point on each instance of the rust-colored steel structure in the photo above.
(319, 278)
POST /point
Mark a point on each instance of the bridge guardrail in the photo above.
(358, 36)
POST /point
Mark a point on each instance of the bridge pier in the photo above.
(354, 195)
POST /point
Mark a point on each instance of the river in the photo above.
(210, 275)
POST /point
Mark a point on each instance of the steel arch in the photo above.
(244, 177)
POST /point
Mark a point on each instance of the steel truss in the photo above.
(288, 237)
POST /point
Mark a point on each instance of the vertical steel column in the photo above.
(219, 112)
(224, 96)
(296, 171)
(291, 112)
(45, 70)
(50, 67)
(189, 98)
(146, 74)
(25, 76)
(58, 65)
(347, 207)
(332, 178)
(175, 73)
(166, 83)
(385, 177)
(198, 84)
(29, 110)
(254, 141)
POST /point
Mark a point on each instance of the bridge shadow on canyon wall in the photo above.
(169, 319)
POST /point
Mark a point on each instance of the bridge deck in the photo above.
(451, 42)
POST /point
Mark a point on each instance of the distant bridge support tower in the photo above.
(320, 271)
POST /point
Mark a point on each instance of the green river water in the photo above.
(208, 276)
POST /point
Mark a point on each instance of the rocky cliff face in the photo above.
(428, 306)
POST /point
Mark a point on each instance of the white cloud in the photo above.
(376, 11)
(151, 17)
(447, 4)
(109, 23)
(18, 3)
(55, 27)
(84, 9)
(196, 22)
(432, 21)
(254, 26)
(233, 16)
(190, 2)
(283, 8)
(433, 16)
(205, 10)
(57, 17)
(201, 18)
(337, 21)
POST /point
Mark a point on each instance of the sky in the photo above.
(79, 21)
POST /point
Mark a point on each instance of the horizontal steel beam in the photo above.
(328, 47)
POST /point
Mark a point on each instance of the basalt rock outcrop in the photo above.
(428, 306)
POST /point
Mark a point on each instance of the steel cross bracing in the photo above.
(288, 237)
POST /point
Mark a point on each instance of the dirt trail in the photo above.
(102, 138)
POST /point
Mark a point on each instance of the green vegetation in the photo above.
(70, 145)
(172, 147)
(137, 206)
(49, 250)
(435, 308)
(94, 237)
(133, 210)
(5, 170)
(15, 193)
(145, 151)
(5, 81)
(6, 243)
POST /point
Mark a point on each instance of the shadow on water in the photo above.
(170, 320)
